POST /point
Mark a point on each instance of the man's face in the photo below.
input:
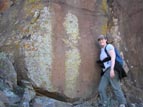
(102, 42)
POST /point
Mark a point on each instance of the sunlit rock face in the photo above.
(52, 43)
(58, 47)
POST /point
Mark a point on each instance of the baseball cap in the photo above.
(101, 37)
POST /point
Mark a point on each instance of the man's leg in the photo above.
(102, 89)
(115, 83)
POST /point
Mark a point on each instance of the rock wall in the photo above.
(52, 43)
(131, 25)
(126, 22)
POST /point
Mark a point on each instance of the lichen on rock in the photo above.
(38, 51)
(73, 59)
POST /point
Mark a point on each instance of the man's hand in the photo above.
(112, 73)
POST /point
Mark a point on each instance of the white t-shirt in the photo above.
(103, 55)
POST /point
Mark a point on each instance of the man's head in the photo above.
(102, 40)
(101, 37)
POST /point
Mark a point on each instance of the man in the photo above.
(110, 76)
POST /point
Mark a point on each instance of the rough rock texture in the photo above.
(7, 71)
(127, 18)
(131, 26)
(52, 43)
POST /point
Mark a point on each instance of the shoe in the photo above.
(105, 104)
(122, 105)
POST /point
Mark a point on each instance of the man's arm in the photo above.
(113, 56)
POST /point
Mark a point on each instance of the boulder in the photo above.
(7, 70)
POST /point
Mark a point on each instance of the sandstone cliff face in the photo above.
(52, 43)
